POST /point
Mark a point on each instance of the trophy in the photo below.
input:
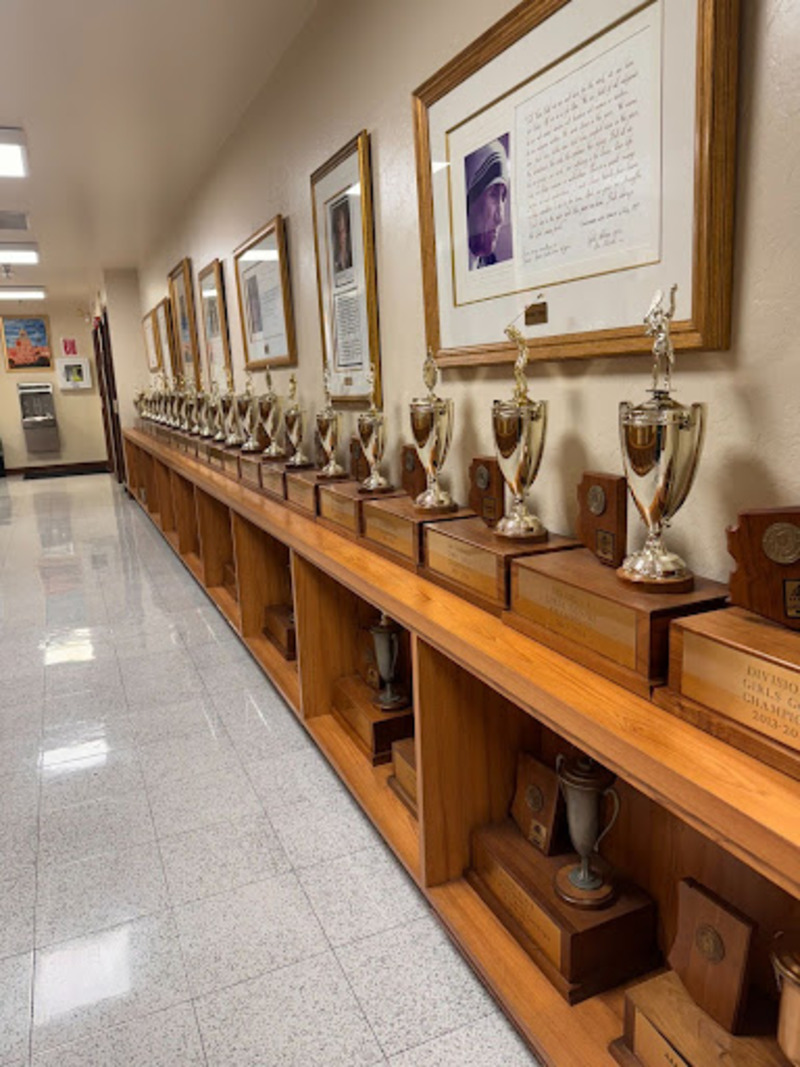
(786, 961)
(207, 428)
(270, 407)
(661, 441)
(584, 783)
(238, 408)
(293, 421)
(252, 418)
(224, 401)
(519, 427)
(372, 437)
(432, 430)
(328, 429)
(386, 637)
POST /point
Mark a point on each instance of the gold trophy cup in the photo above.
(372, 437)
(293, 420)
(432, 429)
(328, 429)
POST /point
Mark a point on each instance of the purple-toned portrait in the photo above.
(488, 184)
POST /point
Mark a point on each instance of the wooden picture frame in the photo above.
(263, 288)
(344, 246)
(26, 342)
(214, 317)
(535, 63)
(152, 342)
(184, 321)
(165, 338)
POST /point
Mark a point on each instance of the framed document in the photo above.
(184, 323)
(265, 298)
(214, 316)
(152, 342)
(341, 195)
(576, 158)
(165, 338)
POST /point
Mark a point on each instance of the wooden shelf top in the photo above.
(748, 808)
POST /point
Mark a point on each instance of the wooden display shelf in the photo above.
(227, 604)
(282, 672)
(195, 565)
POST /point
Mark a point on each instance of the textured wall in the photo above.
(355, 65)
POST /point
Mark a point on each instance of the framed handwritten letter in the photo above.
(577, 157)
(265, 298)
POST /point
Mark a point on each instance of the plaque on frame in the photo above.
(486, 489)
(766, 546)
(359, 468)
(602, 516)
(538, 804)
(412, 475)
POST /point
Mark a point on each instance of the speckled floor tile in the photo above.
(164, 1039)
(260, 725)
(95, 826)
(96, 675)
(106, 978)
(304, 1015)
(202, 626)
(324, 829)
(296, 777)
(22, 688)
(16, 974)
(218, 858)
(161, 721)
(19, 797)
(98, 774)
(144, 690)
(95, 705)
(489, 1042)
(81, 896)
(433, 990)
(18, 845)
(220, 680)
(188, 804)
(17, 900)
(222, 655)
(172, 759)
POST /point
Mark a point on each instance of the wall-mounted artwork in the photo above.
(265, 298)
(26, 342)
(214, 316)
(73, 372)
(165, 339)
(184, 323)
(152, 342)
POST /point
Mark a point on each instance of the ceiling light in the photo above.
(21, 294)
(13, 155)
(17, 252)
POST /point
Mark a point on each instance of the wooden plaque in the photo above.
(250, 469)
(538, 805)
(301, 490)
(580, 952)
(665, 1028)
(737, 676)
(486, 489)
(403, 781)
(394, 527)
(216, 456)
(766, 547)
(711, 953)
(468, 558)
(602, 516)
(412, 476)
(279, 627)
(204, 450)
(341, 505)
(359, 468)
(374, 730)
(230, 462)
(273, 480)
(569, 602)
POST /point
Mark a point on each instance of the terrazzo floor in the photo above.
(183, 880)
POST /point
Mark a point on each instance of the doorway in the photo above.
(101, 339)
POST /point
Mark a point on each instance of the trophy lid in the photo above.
(270, 393)
(660, 410)
(657, 325)
(786, 957)
(291, 396)
(582, 772)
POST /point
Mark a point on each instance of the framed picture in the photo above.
(577, 157)
(341, 196)
(152, 342)
(73, 372)
(26, 342)
(165, 338)
(265, 298)
(214, 316)
(184, 323)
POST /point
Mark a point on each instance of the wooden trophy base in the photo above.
(664, 1026)
(229, 580)
(394, 528)
(216, 456)
(665, 585)
(280, 629)
(230, 462)
(374, 730)
(403, 782)
(580, 952)
(590, 899)
(570, 602)
(736, 675)
(306, 465)
(301, 490)
(273, 480)
(341, 505)
(468, 558)
(250, 469)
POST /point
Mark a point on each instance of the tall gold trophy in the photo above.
(519, 427)
(293, 420)
(432, 429)
(372, 437)
(328, 429)
(271, 420)
(661, 442)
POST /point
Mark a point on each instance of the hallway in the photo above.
(183, 880)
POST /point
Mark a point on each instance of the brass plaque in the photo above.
(578, 615)
(468, 565)
(536, 314)
(743, 687)
(536, 923)
(650, 1047)
(791, 598)
(301, 493)
(389, 531)
(338, 511)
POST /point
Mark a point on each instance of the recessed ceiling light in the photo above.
(21, 294)
(19, 252)
(13, 155)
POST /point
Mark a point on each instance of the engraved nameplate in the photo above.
(650, 1047)
(272, 481)
(468, 565)
(301, 492)
(250, 471)
(578, 615)
(390, 531)
(536, 923)
(742, 687)
(231, 464)
(337, 510)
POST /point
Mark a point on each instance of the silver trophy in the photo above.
(293, 421)
(519, 427)
(661, 442)
(251, 422)
(386, 639)
(224, 402)
(584, 784)
(328, 430)
(372, 437)
(271, 420)
(432, 430)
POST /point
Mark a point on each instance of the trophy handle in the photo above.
(610, 792)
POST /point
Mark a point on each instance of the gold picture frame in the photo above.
(505, 77)
(263, 288)
(184, 321)
(344, 246)
(214, 317)
(165, 335)
(152, 342)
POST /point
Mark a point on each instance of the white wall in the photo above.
(355, 65)
(121, 299)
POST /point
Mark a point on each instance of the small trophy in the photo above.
(238, 407)
(519, 428)
(661, 441)
(293, 421)
(271, 420)
(432, 429)
(386, 637)
(252, 418)
(224, 401)
(328, 430)
(372, 437)
(584, 783)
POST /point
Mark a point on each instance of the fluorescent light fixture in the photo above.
(13, 156)
(21, 294)
(17, 252)
(265, 255)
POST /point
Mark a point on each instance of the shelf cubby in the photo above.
(217, 555)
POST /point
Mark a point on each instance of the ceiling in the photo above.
(124, 104)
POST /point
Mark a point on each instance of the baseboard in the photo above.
(61, 470)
